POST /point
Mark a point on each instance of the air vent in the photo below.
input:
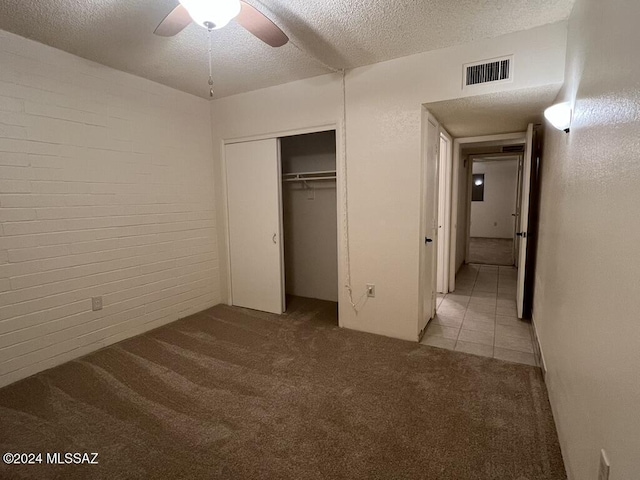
(513, 149)
(488, 71)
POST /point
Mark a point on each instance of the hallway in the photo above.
(480, 316)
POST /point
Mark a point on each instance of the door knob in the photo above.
(427, 240)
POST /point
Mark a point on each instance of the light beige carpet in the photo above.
(236, 394)
(491, 251)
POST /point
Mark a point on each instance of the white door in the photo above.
(429, 240)
(516, 223)
(524, 218)
(443, 264)
(444, 212)
(255, 225)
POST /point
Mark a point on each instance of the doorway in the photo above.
(488, 147)
(492, 207)
(481, 313)
(310, 220)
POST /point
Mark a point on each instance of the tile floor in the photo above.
(480, 316)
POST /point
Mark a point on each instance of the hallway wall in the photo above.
(588, 269)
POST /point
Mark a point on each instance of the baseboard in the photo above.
(423, 331)
(538, 348)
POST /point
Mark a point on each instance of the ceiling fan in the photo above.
(215, 14)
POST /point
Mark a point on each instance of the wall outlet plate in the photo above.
(96, 303)
(371, 290)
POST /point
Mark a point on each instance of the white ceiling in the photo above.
(340, 33)
(494, 113)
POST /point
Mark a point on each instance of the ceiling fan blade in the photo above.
(260, 26)
(174, 22)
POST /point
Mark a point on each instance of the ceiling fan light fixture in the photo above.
(212, 14)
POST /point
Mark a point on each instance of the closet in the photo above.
(310, 215)
(282, 216)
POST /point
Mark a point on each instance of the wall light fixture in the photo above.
(559, 116)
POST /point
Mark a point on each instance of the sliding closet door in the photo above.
(255, 238)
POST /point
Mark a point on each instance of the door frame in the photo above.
(458, 143)
(338, 127)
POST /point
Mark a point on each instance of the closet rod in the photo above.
(307, 176)
(318, 172)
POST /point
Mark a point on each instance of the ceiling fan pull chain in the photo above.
(210, 71)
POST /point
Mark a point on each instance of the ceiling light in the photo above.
(559, 116)
(212, 14)
(478, 182)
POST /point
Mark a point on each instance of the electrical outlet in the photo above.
(603, 473)
(371, 290)
(96, 303)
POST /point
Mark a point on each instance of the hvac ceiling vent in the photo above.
(513, 149)
(488, 71)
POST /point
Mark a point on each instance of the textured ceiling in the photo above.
(340, 33)
(501, 112)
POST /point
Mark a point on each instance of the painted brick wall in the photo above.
(106, 189)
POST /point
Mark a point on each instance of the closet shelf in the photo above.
(309, 176)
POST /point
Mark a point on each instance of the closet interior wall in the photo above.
(310, 217)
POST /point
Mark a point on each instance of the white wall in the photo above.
(492, 218)
(310, 218)
(587, 274)
(105, 190)
(383, 144)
